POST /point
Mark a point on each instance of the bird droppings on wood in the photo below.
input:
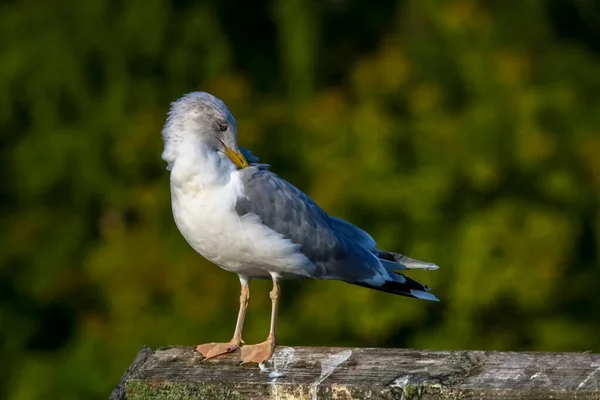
(303, 373)
(328, 366)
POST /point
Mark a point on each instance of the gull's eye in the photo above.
(222, 127)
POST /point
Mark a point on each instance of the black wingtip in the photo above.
(409, 288)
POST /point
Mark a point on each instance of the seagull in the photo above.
(238, 214)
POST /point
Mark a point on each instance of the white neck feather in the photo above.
(200, 166)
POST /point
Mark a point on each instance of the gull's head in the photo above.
(199, 118)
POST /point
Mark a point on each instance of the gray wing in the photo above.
(353, 232)
(338, 249)
(291, 213)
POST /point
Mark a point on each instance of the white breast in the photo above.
(206, 217)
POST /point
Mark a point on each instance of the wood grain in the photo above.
(363, 373)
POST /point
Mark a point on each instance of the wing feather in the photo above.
(338, 249)
(353, 232)
(291, 213)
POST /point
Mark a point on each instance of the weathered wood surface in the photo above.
(345, 373)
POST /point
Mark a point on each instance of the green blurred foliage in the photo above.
(462, 132)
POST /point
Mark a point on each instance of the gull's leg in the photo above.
(262, 352)
(212, 350)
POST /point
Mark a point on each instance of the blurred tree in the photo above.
(463, 132)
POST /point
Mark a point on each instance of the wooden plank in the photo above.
(357, 373)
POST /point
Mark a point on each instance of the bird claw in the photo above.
(212, 350)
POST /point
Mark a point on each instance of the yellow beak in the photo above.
(237, 157)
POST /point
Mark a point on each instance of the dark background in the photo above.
(462, 132)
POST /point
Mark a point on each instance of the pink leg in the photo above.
(262, 352)
(212, 350)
